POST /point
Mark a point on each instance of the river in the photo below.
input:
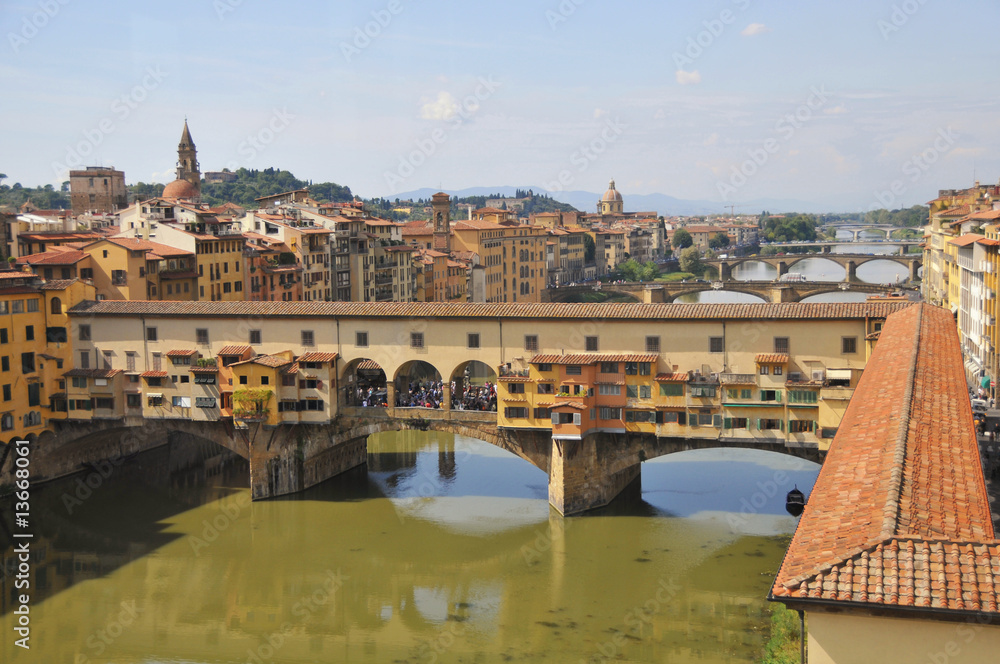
(443, 550)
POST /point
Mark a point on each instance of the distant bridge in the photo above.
(769, 291)
(827, 245)
(857, 229)
(850, 262)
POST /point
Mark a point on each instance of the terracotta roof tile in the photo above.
(153, 374)
(317, 357)
(273, 361)
(901, 493)
(181, 353)
(630, 311)
(679, 377)
(590, 359)
(92, 373)
(771, 358)
(234, 349)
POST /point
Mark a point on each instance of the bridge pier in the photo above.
(782, 269)
(914, 270)
(725, 272)
(590, 473)
(852, 272)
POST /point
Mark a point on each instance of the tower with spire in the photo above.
(188, 182)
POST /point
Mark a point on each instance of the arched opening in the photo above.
(418, 385)
(56, 306)
(474, 387)
(364, 384)
(754, 271)
(883, 271)
(815, 268)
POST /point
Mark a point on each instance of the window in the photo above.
(56, 335)
(608, 413)
(848, 345)
(609, 367)
(308, 338)
(645, 391)
(361, 339)
(150, 334)
(545, 367)
(609, 390)
(715, 345)
(5, 363)
(778, 370)
(770, 395)
(205, 379)
(181, 402)
(531, 342)
(104, 402)
(764, 370)
(801, 426)
(32, 306)
(473, 340)
(632, 391)
(154, 381)
(546, 388)
(17, 307)
(29, 332)
(517, 413)
(6, 393)
(185, 378)
(671, 390)
(255, 337)
(201, 336)
(652, 344)
(3, 335)
(133, 400)
(781, 345)
(78, 381)
(638, 416)
(243, 380)
(86, 273)
(157, 361)
(204, 402)
(631, 368)
(265, 380)
(770, 425)
(515, 388)
(672, 417)
(416, 339)
(106, 357)
(736, 423)
(703, 391)
(543, 413)
(644, 368)
(802, 396)
(130, 361)
(27, 363)
(573, 370)
(154, 399)
(84, 332)
(590, 343)
(55, 306)
(119, 277)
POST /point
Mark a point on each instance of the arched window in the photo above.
(56, 305)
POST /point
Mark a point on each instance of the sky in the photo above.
(855, 104)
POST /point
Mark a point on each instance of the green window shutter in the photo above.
(758, 424)
(777, 396)
(728, 423)
(717, 421)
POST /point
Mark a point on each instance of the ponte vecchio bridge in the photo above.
(584, 392)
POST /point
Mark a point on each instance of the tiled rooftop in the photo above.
(579, 358)
(596, 312)
(899, 514)
(317, 357)
(771, 358)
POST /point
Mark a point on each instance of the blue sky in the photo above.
(848, 104)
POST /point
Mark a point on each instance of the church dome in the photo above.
(611, 194)
(181, 189)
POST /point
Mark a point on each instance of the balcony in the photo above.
(507, 372)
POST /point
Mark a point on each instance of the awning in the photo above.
(984, 382)
(838, 374)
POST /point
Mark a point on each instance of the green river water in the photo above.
(443, 550)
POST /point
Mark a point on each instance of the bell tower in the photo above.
(187, 158)
(441, 212)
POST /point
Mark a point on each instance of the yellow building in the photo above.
(36, 349)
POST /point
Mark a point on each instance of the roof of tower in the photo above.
(611, 194)
(186, 136)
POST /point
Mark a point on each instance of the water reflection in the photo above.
(444, 550)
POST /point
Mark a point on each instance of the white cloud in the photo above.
(442, 108)
(688, 78)
(755, 29)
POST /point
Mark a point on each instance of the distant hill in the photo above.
(662, 204)
(252, 184)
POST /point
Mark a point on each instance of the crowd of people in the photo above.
(430, 394)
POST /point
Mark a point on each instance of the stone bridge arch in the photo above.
(730, 287)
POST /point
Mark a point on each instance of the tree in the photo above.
(768, 251)
(718, 241)
(633, 270)
(690, 261)
(589, 248)
(682, 239)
